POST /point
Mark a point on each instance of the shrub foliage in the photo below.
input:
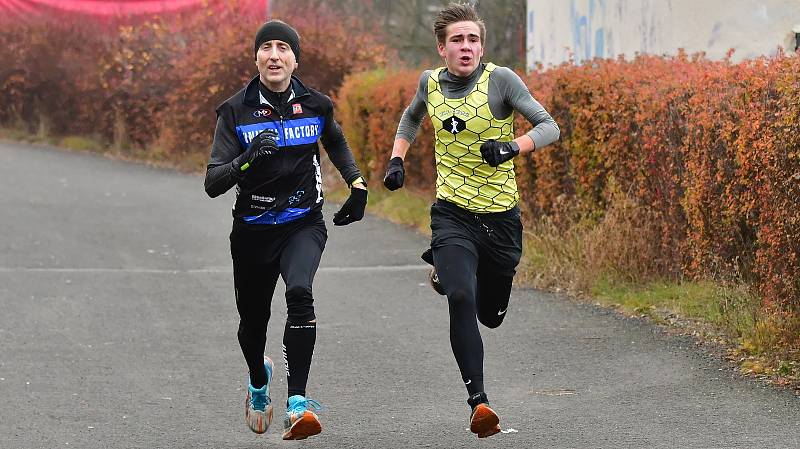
(699, 158)
(155, 84)
(696, 162)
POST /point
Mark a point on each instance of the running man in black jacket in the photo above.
(266, 144)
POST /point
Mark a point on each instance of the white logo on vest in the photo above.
(455, 125)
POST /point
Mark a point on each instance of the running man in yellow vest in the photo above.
(476, 240)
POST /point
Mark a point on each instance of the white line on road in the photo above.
(137, 270)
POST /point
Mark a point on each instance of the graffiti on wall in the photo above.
(589, 29)
(588, 41)
(586, 28)
(580, 30)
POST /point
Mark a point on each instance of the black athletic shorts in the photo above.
(265, 245)
(496, 236)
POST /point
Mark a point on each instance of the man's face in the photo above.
(462, 49)
(276, 63)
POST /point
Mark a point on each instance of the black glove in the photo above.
(352, 209)
(261, 146)
(395, 174)
(495, 153)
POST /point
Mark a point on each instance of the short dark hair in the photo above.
(456, 12)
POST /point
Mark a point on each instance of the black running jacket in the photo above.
(287, 185)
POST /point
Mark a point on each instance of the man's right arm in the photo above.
(406, 132)
(411, 119)
(219, 172)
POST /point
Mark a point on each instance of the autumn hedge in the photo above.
(154, 85)
(704, 153)
(707, 151)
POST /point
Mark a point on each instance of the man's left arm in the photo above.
(339, 152)
(516, 95)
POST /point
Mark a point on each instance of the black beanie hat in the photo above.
(277, 30)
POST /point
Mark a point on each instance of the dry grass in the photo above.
(615, 261)
(623, 245)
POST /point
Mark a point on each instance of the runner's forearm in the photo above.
(526, 144)
(400, 148)
(224, 150)
(339, 152)
(219, 180)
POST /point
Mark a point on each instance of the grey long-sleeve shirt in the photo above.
(507, 93)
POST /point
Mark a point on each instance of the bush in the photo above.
(696, 161)
(155, 84)
(48, 81)
(370, 105)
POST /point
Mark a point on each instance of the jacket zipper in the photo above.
(284, 171)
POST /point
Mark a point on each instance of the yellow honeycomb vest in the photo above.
(461, 126)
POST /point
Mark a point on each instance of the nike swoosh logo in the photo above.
(468, 382)
(503, 152)
(502, 312)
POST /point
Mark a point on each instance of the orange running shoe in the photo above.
(300, 422)
(484, 421)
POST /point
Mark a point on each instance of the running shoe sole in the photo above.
(434, 278)
(484, 421)
(304, 427)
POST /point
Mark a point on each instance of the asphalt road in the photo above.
(118, 330)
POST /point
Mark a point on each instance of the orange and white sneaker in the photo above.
(300, 422)
(257, 404)
(484, 421)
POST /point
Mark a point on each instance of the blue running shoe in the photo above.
(257, 404)
(300, 422)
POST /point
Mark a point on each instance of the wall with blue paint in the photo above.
(579, 30)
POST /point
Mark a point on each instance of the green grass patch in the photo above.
(17, 135)
(731, 308)
(692, 300)
(81, 143)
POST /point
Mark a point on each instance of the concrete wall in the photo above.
(560, 30)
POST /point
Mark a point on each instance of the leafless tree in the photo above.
(407, 26)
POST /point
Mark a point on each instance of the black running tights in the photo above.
(474, 293)
(255, 282)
